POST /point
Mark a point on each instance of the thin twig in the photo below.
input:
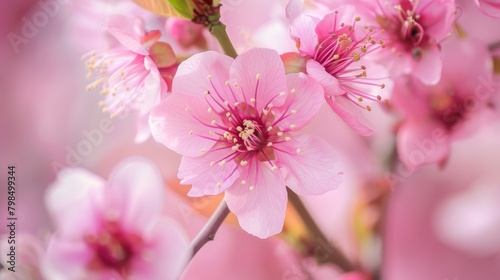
(333, 254)
(210, 229)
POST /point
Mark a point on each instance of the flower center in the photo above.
(113, 249)
(251, 135)
(448, 109)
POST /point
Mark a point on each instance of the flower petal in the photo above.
(122, 28)
(262, 68)
(204, 173)
(350, 114)
(164, 254)
(261, 210)
(302, 105)
(302, 29)
(174, 123)
(192, 75)
(152, 88)
(421, 142)
(314, 170)
(72, 197)
(329, 82)
(135, 193)
(428, 68)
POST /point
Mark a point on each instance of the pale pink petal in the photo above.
(260, 74)
(135, 194)
(192, 75)
(153, 85)
(422, 142)
(73, 197)
(164, 255)
(205, 173)
(294, 9)
(332, 21)
(438, 17)
(260, 203)
(428, 68)
(303, 103)
(302, 29)
(122, 28)
(67, 259)
(351, 115)
(329, 82)
(174, 124)
(489, 7)
(314, 169)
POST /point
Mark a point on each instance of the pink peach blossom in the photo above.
(186, 33)
(234, 122)
(435, 116)
(331, 51)
(489, 7)
(112, 230)
(413, 31)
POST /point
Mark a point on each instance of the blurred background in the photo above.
(435, 222)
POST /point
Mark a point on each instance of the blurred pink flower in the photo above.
(489, 7)
(112, 230)
(413, 31)
(186, 33)
(28, 256)
(232, 120)
(129, 74)
(331, 50)
(437, 115)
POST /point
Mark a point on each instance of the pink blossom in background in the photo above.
(332, 51)
(186, 33)
(112, 230)
(134, 76)
(489, 7)
(436, 116)
(413, 31)
(234, 123)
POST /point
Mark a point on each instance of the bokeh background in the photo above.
(436, 223)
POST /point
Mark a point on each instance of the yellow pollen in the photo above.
(257, 76)
(292, 126)
(222, 163)
(101, 104)
(269, 128)
(293, 112)
(282, 93)
(292, 90)
(206, 92)
(212, 163)
(112, 116)
(265, 112)
(368, 108)
(382, 86)
(209, 110)
(202, 150)
(209, 77)
(360, 99)
(280, 133)
(251, 188)
(357, 19)
(213, 122)
(252, 100)
(243, 163)
(243, 182)
(191, 132)
(288, 138)
(235, 84)
(269, 144)
(218, 184)
(298, 150)
(274, 168)
(187, 109)
(228, 114)
(226, 83)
